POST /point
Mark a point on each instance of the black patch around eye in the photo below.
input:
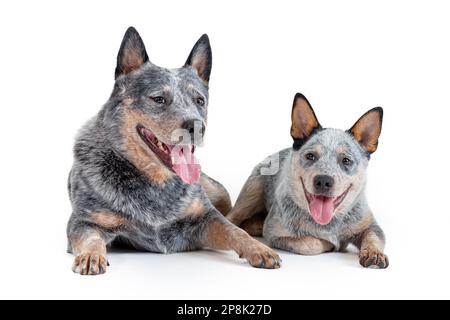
(347, 167)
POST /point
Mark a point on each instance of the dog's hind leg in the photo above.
(255, 225)
(249, 212)
(216, 193)
(220, 234)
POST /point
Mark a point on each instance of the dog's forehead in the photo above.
(187, 76)
(155, 76)
(334, 140)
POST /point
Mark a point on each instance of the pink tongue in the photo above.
(322, 209)
(185, 164)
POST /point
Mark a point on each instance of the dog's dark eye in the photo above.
(200, 101)
(158, 100)
(347, 161)
(310, 156)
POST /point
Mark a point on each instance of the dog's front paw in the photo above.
(261, 256)
(373, 258)
(90, 264)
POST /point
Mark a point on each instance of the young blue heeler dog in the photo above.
(133, 182)
(316, 202)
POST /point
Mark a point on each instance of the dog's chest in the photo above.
(174, 236)
(297, 222)
(158, 220)
(155, 206)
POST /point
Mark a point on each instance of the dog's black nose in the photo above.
(323, 184)
(192, 125)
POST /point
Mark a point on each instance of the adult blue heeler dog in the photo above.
(134, 182)
(315, 202)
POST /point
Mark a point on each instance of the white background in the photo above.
(57, 66)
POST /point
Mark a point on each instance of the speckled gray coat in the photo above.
(122, 191)
(278, 205)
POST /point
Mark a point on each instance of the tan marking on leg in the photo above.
(90, 242)
(90, 252)
(218, 196)
(371, 251)
(370, 239)
(108, 220)
(358, 228)
(249, 202)
(137, 151)
(225, 236)
(196, 208)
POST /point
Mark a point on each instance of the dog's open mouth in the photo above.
(322, 208)
(178, 158)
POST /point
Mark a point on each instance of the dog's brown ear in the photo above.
(132, 54)
(304, 120)
(368, 128)
(200, 58)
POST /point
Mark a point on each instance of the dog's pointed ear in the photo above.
(304, 120)
(132, 54)
(200, 58)
(368, 128)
